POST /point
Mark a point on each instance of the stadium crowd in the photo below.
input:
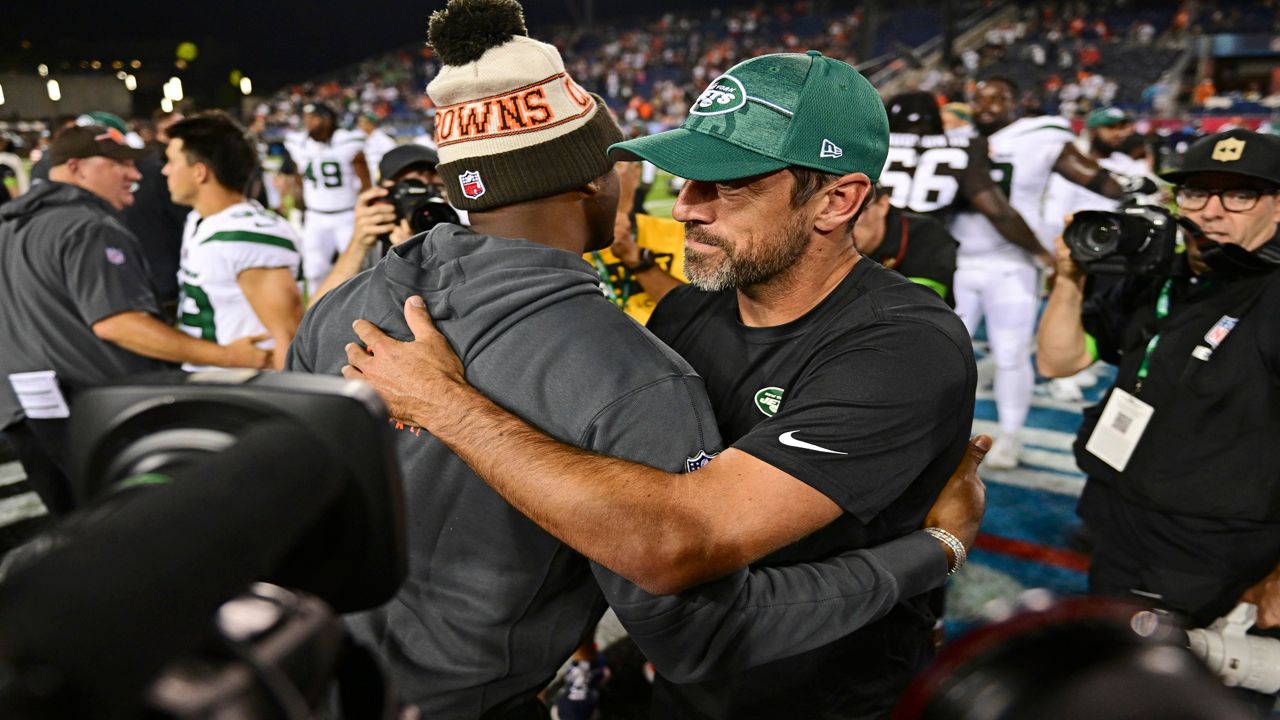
(193, 239)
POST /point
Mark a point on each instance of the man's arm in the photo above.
(373, 220)
(663, 531)
(142, 334)
(275, 300)
(992, 203)
(1266, 595)
(1062, 347)
(1082, 170)
(361, 166)
(655, 281)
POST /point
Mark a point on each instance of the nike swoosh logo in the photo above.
(789, 439)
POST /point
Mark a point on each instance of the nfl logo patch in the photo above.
(1220, 330)
(115, 256)
(697, 461)
(472, 185)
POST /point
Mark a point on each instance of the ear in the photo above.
(842, 201)
(201, 172)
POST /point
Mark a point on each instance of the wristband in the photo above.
(647, 260)
(953, 542)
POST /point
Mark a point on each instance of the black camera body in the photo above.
(421, 204)
(1138, 240)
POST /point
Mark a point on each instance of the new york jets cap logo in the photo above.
(769, 400)
(724, 95)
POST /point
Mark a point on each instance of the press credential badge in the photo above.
(1123, 421)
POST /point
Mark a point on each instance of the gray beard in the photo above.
(740, 270)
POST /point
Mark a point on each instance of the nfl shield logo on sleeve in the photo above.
(697, 461)
(115, 256)
(472, 185)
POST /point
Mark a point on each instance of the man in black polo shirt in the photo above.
(845, 391)
(77, 301)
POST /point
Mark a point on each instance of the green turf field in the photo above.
(659, 201)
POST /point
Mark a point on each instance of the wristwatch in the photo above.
(647, 260)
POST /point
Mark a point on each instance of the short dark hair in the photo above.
(215, 139)
(1008, 82)
(810, 181)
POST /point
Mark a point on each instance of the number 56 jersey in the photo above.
(935, 174)
(215, 250)
(329, 182)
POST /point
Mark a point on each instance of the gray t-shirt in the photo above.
(66, 262)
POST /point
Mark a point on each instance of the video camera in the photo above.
(196, 491)
(1138, 240)
(421, 204)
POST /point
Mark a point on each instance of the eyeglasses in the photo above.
(1239, 200)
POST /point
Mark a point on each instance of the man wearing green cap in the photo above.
(845, 391)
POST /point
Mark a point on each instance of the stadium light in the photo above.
(55, 90)
(130, 83)
(166, 105)
(246, 86)
(173, 89)
(43, 70)
(135, 64)
(1, 94)
(121, 75)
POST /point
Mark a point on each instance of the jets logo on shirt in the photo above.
(472, 185)
(769, 400)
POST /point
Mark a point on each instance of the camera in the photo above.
(1142, 240)
(421, 204)
(1241, 660)
(202, 498)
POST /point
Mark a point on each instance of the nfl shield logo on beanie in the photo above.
(472, 185)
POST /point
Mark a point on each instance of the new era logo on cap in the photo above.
(830, 150)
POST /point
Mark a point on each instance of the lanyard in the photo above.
(1162, 312)
(619, 298)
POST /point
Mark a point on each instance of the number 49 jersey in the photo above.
(329, 182)
(215, 251)
(934, 174)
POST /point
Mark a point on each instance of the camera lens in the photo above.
(1092, 236)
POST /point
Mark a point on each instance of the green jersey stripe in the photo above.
(247, 236)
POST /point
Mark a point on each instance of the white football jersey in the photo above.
(215, 250)
(1022, 157)
(329, 182)
(1065, 197)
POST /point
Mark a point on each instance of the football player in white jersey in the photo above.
(239, 260)
(997, 280)
(333, 171)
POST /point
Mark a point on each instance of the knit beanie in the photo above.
(511, 125)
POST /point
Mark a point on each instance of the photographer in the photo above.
(1182, 460)
(376, 216)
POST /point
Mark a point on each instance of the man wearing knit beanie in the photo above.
(494, 604)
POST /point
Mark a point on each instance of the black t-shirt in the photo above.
(157, 222)
(920, 248)
(869, 399)
(935, 174)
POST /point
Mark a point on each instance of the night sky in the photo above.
(275, 42)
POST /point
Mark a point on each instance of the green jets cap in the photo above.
(772, 112)
(1106, 117)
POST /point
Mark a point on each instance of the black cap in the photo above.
(914, 112)
(400, 158)
(90, 141)
(1239, 152)
(320, 109)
